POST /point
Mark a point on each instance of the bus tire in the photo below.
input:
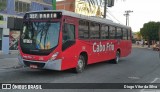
(116, 60)
(80, 64)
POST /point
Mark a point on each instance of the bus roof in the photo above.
(90, 18)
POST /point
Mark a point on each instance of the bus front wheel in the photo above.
(80, 64)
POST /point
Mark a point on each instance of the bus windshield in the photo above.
(39, 37)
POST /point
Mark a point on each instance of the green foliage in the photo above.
(138, 35)
(3, 4)
(150, 31)
(1, 18)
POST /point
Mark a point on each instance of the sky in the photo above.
(143, 12)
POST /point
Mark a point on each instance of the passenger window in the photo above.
(94, 31)
(83, 32)
(112, 32)
(129, 34)
(104, 32)
(125, 34)
(119, 34)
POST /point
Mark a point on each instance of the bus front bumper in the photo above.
(51, 65)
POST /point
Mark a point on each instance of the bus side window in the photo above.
(104, 32)
(119, 34)
(83, 32)
(125, 34)
(129, 34)
(112, 32)
(94, 30)
(68, 36)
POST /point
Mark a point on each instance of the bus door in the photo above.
(68, 42)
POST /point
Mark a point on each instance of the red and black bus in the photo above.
(60, 40)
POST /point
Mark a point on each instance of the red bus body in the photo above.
(94, 50)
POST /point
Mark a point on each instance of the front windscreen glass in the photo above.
(39, 37)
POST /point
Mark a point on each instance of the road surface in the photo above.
(141, 66)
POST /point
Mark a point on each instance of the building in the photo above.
(81, 7)
(11, 13)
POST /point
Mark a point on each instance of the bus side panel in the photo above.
(110, 52)
(106, 54)
(69, 57)
(125, 47)
(85, 46)
(99, 52)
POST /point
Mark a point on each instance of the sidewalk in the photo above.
(8, 61)
(12, 54)
(140, 46)
(3, 56)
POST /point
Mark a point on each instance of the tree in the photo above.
(138, 35)
(149, 31)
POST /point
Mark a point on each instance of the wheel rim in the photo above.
(80, 65)
(117, 57)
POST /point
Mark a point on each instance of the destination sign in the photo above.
(43, 15)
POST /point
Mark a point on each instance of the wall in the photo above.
(66, 5)
(38, 6)
(80, 7)
(5, 35)
(10, 7)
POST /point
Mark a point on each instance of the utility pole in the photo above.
(127, 16)
(105, 6)
(107, 3)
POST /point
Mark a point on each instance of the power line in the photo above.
(109, 12)
(109, 17)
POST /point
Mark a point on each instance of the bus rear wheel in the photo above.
(117, 58)
(80, 64)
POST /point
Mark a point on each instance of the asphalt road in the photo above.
(141, 66)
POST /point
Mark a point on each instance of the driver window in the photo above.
(68, 32)
(68, 36)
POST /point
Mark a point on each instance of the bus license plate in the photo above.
(33, 66)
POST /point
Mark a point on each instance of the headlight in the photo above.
(54, 56)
